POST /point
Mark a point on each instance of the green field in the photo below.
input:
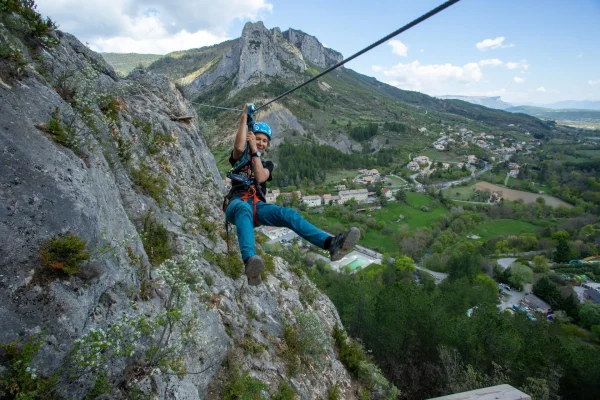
(414, 218)
(462, 192)
(335, 177)
(444, 156)
(491, 229)
(396, 182)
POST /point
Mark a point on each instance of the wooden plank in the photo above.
(183, 118)
(500, 392)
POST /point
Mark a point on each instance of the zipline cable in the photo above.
(391, 35)
(222, 108)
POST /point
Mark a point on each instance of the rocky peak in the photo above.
(262, 55)
(312, 49)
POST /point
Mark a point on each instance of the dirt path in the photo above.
(527, 197)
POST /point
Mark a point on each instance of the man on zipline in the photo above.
(246, 206)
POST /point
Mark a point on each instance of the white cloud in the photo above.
(488, 44)
(593, 83)
(518, 79)
(542, 89)
(160, 45)
(398, 48)
(133, 25)
(520, 64)
(377, 68)
(494, 62)
(415, 76)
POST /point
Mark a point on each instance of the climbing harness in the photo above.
(252, 190)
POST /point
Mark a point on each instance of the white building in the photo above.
(514, 173)
(439, 146)
(421, 159)
(274, 232)
(471, 159)
(413, 166)
(270, 198)
(359, 195)
(327, 198)
(386, 192)
(340, 187)
(312, 201)
(445, 165)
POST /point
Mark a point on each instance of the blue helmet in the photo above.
(262, 127)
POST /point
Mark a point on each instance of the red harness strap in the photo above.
(252, 193)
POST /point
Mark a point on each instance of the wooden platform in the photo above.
(500, 392)
(184, 118)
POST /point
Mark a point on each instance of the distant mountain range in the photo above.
(572, 104)
(124, 63)
(497, 103)
(489, 102)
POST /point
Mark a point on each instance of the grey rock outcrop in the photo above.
(260, 56)
(312, 49)
(135, 158)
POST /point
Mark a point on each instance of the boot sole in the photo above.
(349, 242)
(253, 270)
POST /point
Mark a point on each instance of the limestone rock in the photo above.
(127, 158)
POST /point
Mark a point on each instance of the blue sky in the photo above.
(537, 51)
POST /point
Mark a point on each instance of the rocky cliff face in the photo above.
(157, 308)
(262, 55)
(312, 49)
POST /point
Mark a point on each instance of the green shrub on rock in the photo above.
(64, 253)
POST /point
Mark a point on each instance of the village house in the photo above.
(372, 172)
(460, 164)
(421, 159)
(513, 165)
(439, 146)
(340, 187)
(413, 166)
(274, 232)
(495, 197)
(329, 199)
(386, 192)
(312, 201)
(367, 180)
(514, 173)
(471, 159)
(445, 165)
(288, 196)
(426, 172)
(359, 195)
(270, 198)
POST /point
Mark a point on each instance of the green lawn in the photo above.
(414, 218)
(335, 177)
(444, 156)
(461, 192)
(491, 229)
(395, 181)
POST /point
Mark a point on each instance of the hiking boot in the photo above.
(344, 242)
(254, 266)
